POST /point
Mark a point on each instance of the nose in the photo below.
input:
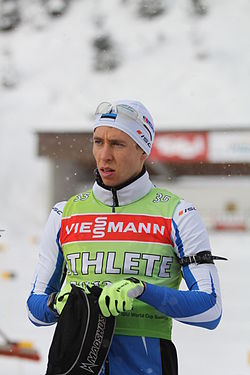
(106, 153)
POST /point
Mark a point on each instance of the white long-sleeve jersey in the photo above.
(199, 305)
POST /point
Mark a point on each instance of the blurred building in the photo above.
(210, 168)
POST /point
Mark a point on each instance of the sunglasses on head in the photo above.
(107, 109)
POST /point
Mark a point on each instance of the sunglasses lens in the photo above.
(103, 107)
(127, 110)
(123, 109)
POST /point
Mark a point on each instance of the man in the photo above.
(134, 240)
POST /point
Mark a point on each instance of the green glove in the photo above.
(61, 298)
(57, 301)
(118, 297)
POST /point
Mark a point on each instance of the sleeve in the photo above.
(200, 305)
(49, 273)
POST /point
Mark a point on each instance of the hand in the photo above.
(118, 297)
(57, 301)
(61, 298)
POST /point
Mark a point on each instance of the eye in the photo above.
(97, 141)
(118, 144)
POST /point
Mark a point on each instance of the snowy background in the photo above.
(191, 71)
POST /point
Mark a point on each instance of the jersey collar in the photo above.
(127, 194)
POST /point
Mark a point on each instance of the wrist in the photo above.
(139, 287)
(143, 290)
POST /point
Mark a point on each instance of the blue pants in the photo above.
(132, 355)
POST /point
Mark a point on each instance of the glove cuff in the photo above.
(51, 303)
(141, 285)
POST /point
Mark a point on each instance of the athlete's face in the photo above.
(117, 156)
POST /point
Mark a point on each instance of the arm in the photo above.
(49, 272)
(200, 305)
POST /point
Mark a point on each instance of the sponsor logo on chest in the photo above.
(116, 227)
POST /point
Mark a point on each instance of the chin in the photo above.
(109, 183)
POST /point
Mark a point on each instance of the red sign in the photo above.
(116, 227)
(180, 147)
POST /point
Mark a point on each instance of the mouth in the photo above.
(106, 171)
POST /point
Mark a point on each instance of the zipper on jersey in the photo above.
(115, 199)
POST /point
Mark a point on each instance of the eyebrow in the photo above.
(110, 139)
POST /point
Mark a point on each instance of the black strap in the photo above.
(169, 359)
(200, 258)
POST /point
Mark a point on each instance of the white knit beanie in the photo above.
(141, 130)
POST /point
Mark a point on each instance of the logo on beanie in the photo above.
(148, 122)
(143, 137)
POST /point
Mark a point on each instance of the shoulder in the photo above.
(58, 208)
(186, 215)
(185, 208)
(54, 220)
(80, 197)
(75, 202)
(161, 201)
(52, 227)
(189, 232)
(164, 195)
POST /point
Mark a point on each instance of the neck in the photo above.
(121, 186)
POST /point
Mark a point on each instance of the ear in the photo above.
(144, 156)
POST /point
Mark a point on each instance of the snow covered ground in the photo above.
(223, 351)
(190, 72)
